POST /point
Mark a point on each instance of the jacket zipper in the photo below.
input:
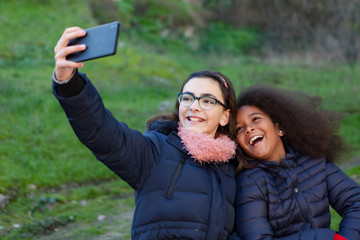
(176, 176)
(218, 176)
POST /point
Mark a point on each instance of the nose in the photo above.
(195, 106)
(249, 129)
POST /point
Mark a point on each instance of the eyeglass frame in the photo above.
(198, 98)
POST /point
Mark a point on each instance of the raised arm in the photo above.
(127, 152)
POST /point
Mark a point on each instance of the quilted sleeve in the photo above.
(128, 153)
(252, 219)
(251, 210)
(344, 197)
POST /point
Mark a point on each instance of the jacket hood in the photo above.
(163, 126)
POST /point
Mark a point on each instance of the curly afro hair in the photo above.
(308, 128)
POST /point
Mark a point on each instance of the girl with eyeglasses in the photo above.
(182, 169)
(290, 144)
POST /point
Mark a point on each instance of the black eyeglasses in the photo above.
(206, 103)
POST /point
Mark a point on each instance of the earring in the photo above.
(280, 131)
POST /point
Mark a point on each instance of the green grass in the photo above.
(38, 147)
(58, 207)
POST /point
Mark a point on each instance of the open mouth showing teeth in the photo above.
(192, 119)
(255, 140)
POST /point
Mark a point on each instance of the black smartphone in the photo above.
(101, 41)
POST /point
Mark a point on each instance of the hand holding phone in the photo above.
(64, 68)
(100, 41)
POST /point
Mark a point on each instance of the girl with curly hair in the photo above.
(288, 178)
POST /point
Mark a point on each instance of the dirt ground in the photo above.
(112, 228)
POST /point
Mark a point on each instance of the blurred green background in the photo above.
(51, 182)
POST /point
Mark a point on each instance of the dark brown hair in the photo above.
(228, 94)
(308, 128)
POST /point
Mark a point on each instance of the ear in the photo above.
(225, 118)
(279, 130)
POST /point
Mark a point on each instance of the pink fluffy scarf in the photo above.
(206, 149)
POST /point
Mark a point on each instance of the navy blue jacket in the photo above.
(176, 197)
(290, 200)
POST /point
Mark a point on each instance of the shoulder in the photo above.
(311, 162)
(331, 168)
(253, 174)
(310, 166)
(336, 178)
(161, 129)
(253, 181)
(163, 126)
(249, 191)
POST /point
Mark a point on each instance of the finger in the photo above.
(68, 50)
(68, 64)
(64, 40)
(72, 29)
(67, 36)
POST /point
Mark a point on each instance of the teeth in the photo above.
(253, 139)
(195, 119)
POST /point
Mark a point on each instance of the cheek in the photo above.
(182, 112)
(218, 115)
(240, 140)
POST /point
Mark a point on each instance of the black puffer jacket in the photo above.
(291, 200)
(176, 197)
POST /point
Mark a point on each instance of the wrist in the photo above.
(65, 80)
(72, 88)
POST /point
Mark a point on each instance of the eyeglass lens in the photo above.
(206, 103)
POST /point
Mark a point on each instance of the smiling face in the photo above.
(195, 119)
(258, 136)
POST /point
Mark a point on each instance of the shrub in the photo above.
(221, 37)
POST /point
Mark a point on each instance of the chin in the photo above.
(194, 129)
(256, 156)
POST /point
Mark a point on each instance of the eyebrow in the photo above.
(203, 94)
(250, 115)
(254, 113)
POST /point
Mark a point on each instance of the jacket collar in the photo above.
(164, 126)
(174, 139)
(290, 161)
